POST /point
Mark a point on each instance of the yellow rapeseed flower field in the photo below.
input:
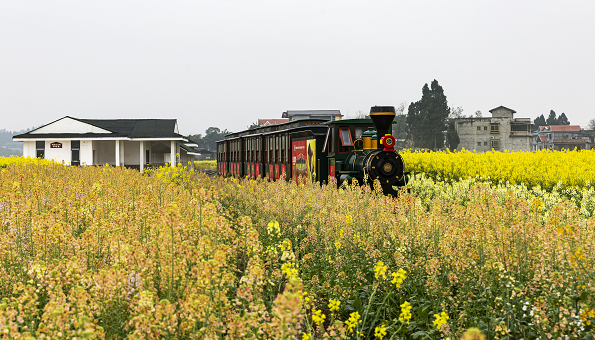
(109, 253)
(543, 168)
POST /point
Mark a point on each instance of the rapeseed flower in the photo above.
(318, 317)
(398, 277)
(440, 319)
(380, 331)
(405, 315)
(380, 270)
(273, 228)
(354, 319)
(334, 305)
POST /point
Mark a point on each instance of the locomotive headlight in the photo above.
(388, 141)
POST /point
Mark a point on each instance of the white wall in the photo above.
(86, 153)
(63, 154)
(29, 149)
(69, 125)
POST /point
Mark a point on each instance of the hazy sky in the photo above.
(227, 63)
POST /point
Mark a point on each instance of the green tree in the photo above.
(551, 119)
(452, 136)
(426, 118)
(563, 120)
(209, 140)
(591, 125)
(539, 121)
(253, 126)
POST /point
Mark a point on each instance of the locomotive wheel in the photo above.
(385, 166)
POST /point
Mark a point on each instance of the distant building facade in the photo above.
(500, 132)
(272, 121)
(558, 137)
(330, 115)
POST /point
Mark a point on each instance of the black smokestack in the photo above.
(383, 117)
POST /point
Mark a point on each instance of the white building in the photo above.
(134, 143)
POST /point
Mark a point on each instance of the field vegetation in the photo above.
(108, 253)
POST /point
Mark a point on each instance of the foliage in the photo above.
(209, 140)
(591, 125)
(452, 136)
(552, 120)
(539, 121)
(426, 118)
(6, 152)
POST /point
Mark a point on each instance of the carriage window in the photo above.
(345, 135)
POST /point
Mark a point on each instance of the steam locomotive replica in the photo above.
(347, 150)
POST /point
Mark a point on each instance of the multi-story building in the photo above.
(500, 132)
(558, 137)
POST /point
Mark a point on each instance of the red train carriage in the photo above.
(275, 151)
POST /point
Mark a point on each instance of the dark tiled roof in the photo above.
(69, 135)
(137, 128)
(131, 128)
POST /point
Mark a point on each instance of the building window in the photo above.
(479, 128)
(478, 143)
(75, 149)
(494, 127)
(40, 148)
(485, 143)
(495, 144)
(485, 128)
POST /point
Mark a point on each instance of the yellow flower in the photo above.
(289, 270)
(380, 270)
(306, 336)
(349, 218)
(334, 305)
(337, 245)
(380, 331)
(273, 227)
(398, 278)
(352, 321)
(318, 317)
(405, 312)
(330, 260)
(440, 320)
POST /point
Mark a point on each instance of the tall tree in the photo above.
(591, 125)
(426, 118)
(452, 136)
(551, 119)
(563, 120)
(539, 121)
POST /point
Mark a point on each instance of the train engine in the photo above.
(375, 159)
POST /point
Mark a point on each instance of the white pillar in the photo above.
(122, 161)
(142, 156)
(117, 152)
(173, 154)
